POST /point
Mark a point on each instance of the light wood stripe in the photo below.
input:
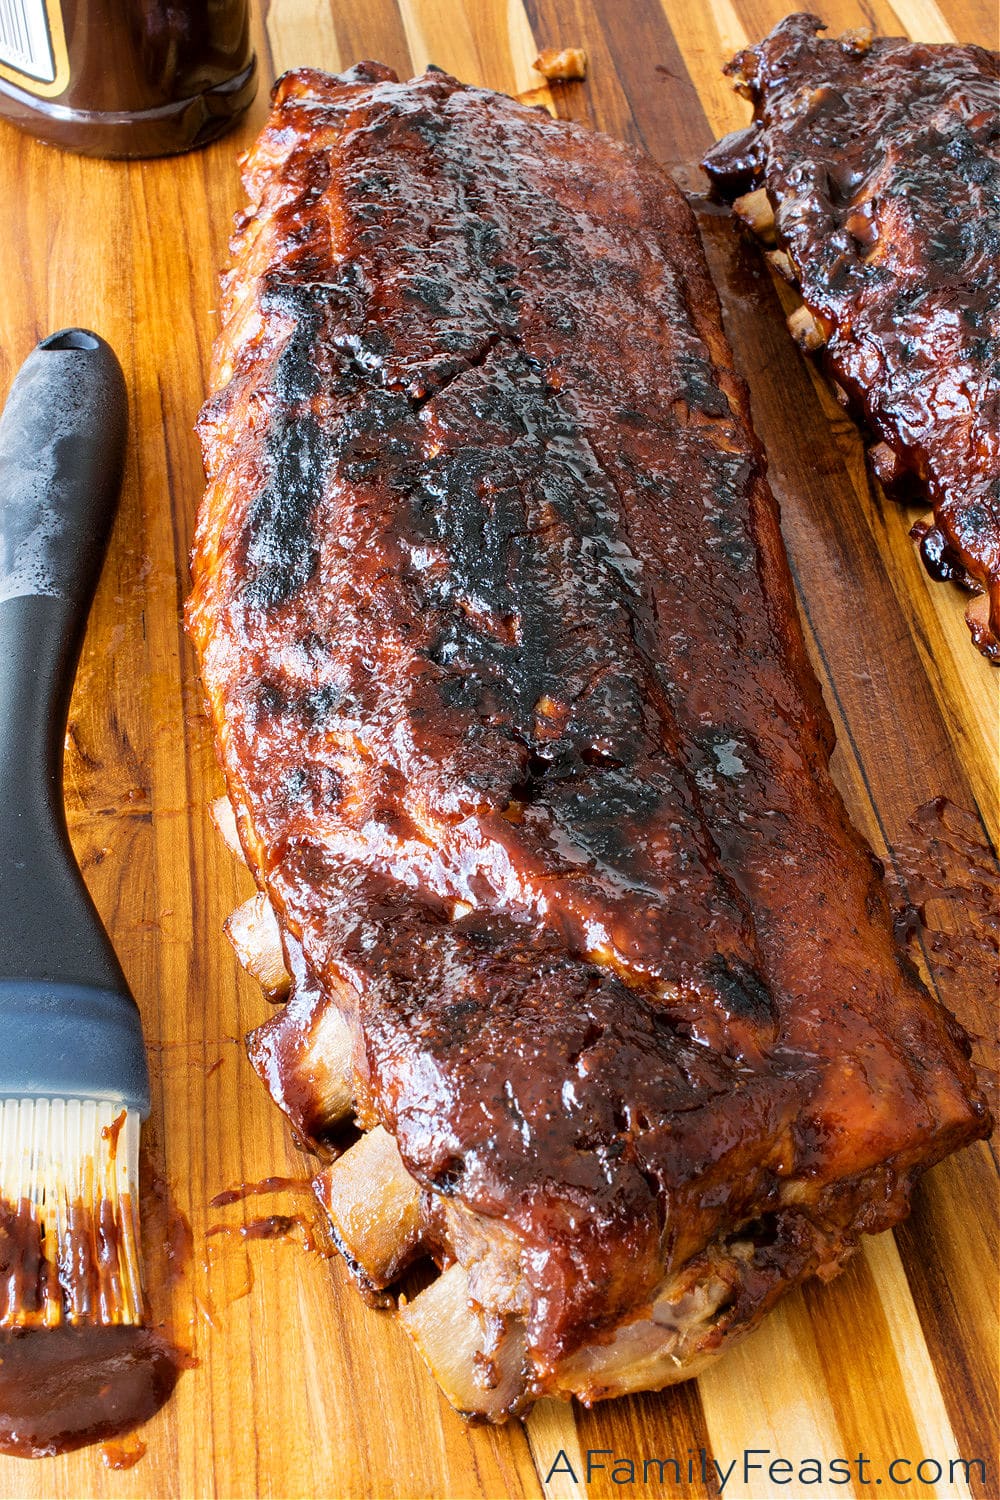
(420, 52)
(770, 1393)
(523, 48)
(729, 27)
(707, 37)
(490, 44)
(551, 1429)
(923, 21)
(919, 1380)
(301, 34)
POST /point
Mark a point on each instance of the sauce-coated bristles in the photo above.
(69, 1213)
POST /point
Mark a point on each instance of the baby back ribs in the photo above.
(875, 166)
(525, 753)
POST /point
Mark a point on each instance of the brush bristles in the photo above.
(69, 1213)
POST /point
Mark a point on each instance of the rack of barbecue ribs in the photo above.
(585, 966)
(873, 169)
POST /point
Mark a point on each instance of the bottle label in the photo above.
(33, 46)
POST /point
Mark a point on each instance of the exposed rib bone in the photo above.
(857, 39)
(303, 1054)
(224, 818)
(478, 1375)
(374, 1206)
(757, 214)
(253, 931)
(782, 263)
(805, 330)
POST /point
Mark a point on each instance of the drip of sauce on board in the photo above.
(165, 1227)
(273, 1227)
(122, 1455)
(252, 1189)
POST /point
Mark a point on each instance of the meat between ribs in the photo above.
(515, 715)
(881, 162)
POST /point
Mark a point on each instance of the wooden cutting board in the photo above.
(299, 1390)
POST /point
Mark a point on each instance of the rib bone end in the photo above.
(805, 329)
(374, 1207)
(482, 1376)
(253, 931)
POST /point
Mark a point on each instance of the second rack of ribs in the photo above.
(514, 710)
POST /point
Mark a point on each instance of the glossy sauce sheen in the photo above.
(493, 613)
(883, 164)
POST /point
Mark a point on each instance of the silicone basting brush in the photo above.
(73, 1076)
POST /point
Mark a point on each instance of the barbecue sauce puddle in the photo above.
(61, 1388)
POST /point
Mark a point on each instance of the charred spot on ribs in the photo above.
(279, 542)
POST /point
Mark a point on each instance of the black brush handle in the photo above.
(68, 1021)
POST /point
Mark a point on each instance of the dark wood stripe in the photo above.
(669, 1424)
(947, 1278)
(372, 29)
(601, 101)
(661, 110)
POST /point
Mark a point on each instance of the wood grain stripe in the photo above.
(555, 1450)
(371, 29)
(416, 41)
(302, 34)
(707, 36)
(770, 1393)
(949, 1249)
(913, 1362)
(923, 21)
(523, 48)
(760, 16)
(965, 685)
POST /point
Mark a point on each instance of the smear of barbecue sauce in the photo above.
(63, 1387)
(945, 894)
(165, 1228)
(944, 889)
(291, 1228)
(122, 1455)
(252, 1189)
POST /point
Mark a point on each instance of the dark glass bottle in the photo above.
(126, 77)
